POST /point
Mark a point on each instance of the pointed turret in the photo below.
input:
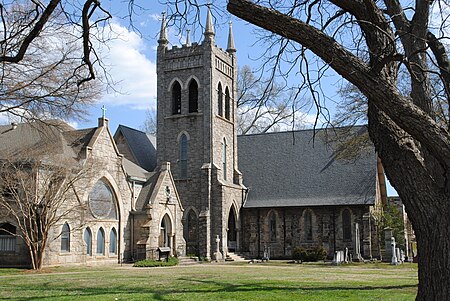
(230, 46)
(209, 29)
(188, 38)
(163, 41)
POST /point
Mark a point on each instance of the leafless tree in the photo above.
(47, 58)
(367, 43)
(371, 44)
(149, 125)
(265, 105)
(40, 185)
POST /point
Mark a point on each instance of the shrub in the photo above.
(310, 255)
(156, 263)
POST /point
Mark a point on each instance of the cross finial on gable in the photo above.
(103, 111)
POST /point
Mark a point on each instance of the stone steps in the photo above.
(234, 257)
(187, 261)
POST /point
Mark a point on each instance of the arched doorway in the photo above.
(231, 233)
(165, 232)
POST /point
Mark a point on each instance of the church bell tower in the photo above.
(196, 133)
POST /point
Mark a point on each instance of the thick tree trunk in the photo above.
(414, 149)
(427, 204)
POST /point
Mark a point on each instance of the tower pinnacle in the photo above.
(230, 46)
(163, 33)
(188, 38)
(209, 29)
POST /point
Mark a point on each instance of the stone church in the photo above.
(199, 189)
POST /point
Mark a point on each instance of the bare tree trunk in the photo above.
(424, 203)
(414, 149)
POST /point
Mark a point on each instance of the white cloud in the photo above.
(133, 74)
(155, 17)
(73, 124)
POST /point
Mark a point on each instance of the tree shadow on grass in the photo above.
(227, 287)
(51, 291)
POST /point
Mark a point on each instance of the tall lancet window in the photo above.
(272, 227)
(176, 98)
(227, 104)
(224, 158)
(65, 238)
(220, 100)
(308, 226)
(193, 96)
(183, 156)
(347, 225)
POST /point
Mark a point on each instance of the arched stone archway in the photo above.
(165, 233)
(232, 230)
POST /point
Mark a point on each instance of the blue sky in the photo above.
(131, 60)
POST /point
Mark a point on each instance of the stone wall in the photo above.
(327, 230)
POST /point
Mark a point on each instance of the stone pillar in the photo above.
(394, 259)
(358, 256)
(387, 244)
(204, 225)
(172, 244)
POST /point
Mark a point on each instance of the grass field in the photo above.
(233, 281)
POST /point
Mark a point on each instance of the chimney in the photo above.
(165, 166)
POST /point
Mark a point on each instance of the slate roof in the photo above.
(147, 190)
(287, 169)
(142, 145)
(43, 139)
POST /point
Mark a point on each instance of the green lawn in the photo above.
(272, 281)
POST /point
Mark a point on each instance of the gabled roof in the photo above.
(79, 139)
(36, 139)
(44, 140)
(141, 145)
(135, 171)
(150, 192)
(288, 169)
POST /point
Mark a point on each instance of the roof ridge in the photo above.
(128, 127)
(304, 130)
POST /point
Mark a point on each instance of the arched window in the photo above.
(7, 238)
(347, 224)
(220, 99)
(113, 241)
(88, 241)
(224, 159)
(308, 225)
(192, 227)
(227, 104)
(183, 156)
(101, 242)
(193, 96)
(65, 238)
(176, 98)
(102, 202)
(272, 227)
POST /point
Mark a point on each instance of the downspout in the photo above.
(284, 231)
